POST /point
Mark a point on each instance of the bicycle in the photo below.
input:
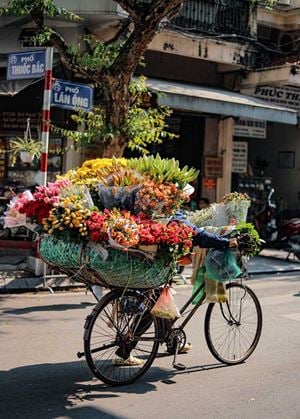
(121, 325)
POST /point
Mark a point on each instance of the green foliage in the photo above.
(97, 56)
(92, 127)
(28, 145)
(266, 3)
(249, 241)
(144, 125)
(164, 170)
(47, 7)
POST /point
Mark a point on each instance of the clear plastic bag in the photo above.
(165, 306)
(221, 265)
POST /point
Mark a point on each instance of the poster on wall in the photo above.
(250, 128)
(213, 167)
(239, 157)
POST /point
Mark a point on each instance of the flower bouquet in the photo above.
(203, 217)
(236, 206)
(89, 233)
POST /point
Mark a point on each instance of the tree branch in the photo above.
(130, 7)
(141, 36)
(123, 28)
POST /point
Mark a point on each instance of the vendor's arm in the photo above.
(203, 238)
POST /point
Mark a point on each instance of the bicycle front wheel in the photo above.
(232, 329)
(121, 337)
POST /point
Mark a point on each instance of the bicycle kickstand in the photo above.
(178, 366)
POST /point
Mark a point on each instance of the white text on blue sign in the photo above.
(72, 95)
(26, 65)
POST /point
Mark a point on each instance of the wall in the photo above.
(174, 67)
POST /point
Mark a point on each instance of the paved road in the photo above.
(40, 376)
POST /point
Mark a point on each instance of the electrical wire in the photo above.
(228, 36)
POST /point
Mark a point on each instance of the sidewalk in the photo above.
(273, 261)
(16, 277)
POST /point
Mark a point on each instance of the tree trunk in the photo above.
(115, 148)
(117, 100)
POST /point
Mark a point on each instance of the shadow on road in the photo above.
(63, 389)
(52, 307)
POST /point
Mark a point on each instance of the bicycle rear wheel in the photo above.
(121, 337)
(232, 329)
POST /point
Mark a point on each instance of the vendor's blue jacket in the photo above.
(202, 238)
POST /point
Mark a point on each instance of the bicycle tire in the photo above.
(234, 317)
(107, 325)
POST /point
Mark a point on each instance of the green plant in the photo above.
(249, 240)
(25, 144)
(163, 170)
(144, 125)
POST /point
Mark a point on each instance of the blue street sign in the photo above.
(72, 96)
(26, 65)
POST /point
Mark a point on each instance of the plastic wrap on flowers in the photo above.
(108, 267)
(220, 217)
(237, 210)
(122, 197)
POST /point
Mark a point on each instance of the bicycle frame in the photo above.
(195, 309)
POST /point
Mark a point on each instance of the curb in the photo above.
(35, 284)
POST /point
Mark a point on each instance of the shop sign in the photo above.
(288, 97)
(213, 167)
(239, 157)
(72, 96)
(17, 121)
(210, 183)
(250, 128)
(26, 65)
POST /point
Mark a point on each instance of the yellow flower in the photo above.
(90, 172)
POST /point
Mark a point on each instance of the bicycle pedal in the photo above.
(80, 354)
(179, 367)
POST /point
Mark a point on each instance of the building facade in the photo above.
(204, 64)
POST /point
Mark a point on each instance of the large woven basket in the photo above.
(110, 267)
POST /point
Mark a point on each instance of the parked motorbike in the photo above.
(266, 222)
(289, 233)
(283, 231)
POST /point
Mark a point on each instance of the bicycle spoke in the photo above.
(121, 345)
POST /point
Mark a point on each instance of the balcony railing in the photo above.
(215, 17)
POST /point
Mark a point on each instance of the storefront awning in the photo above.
(13, 87)
(188, 97)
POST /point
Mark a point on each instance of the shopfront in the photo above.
(273, 150)
(15, 112)
(217, 110)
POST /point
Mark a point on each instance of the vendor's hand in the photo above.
(233, 243)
